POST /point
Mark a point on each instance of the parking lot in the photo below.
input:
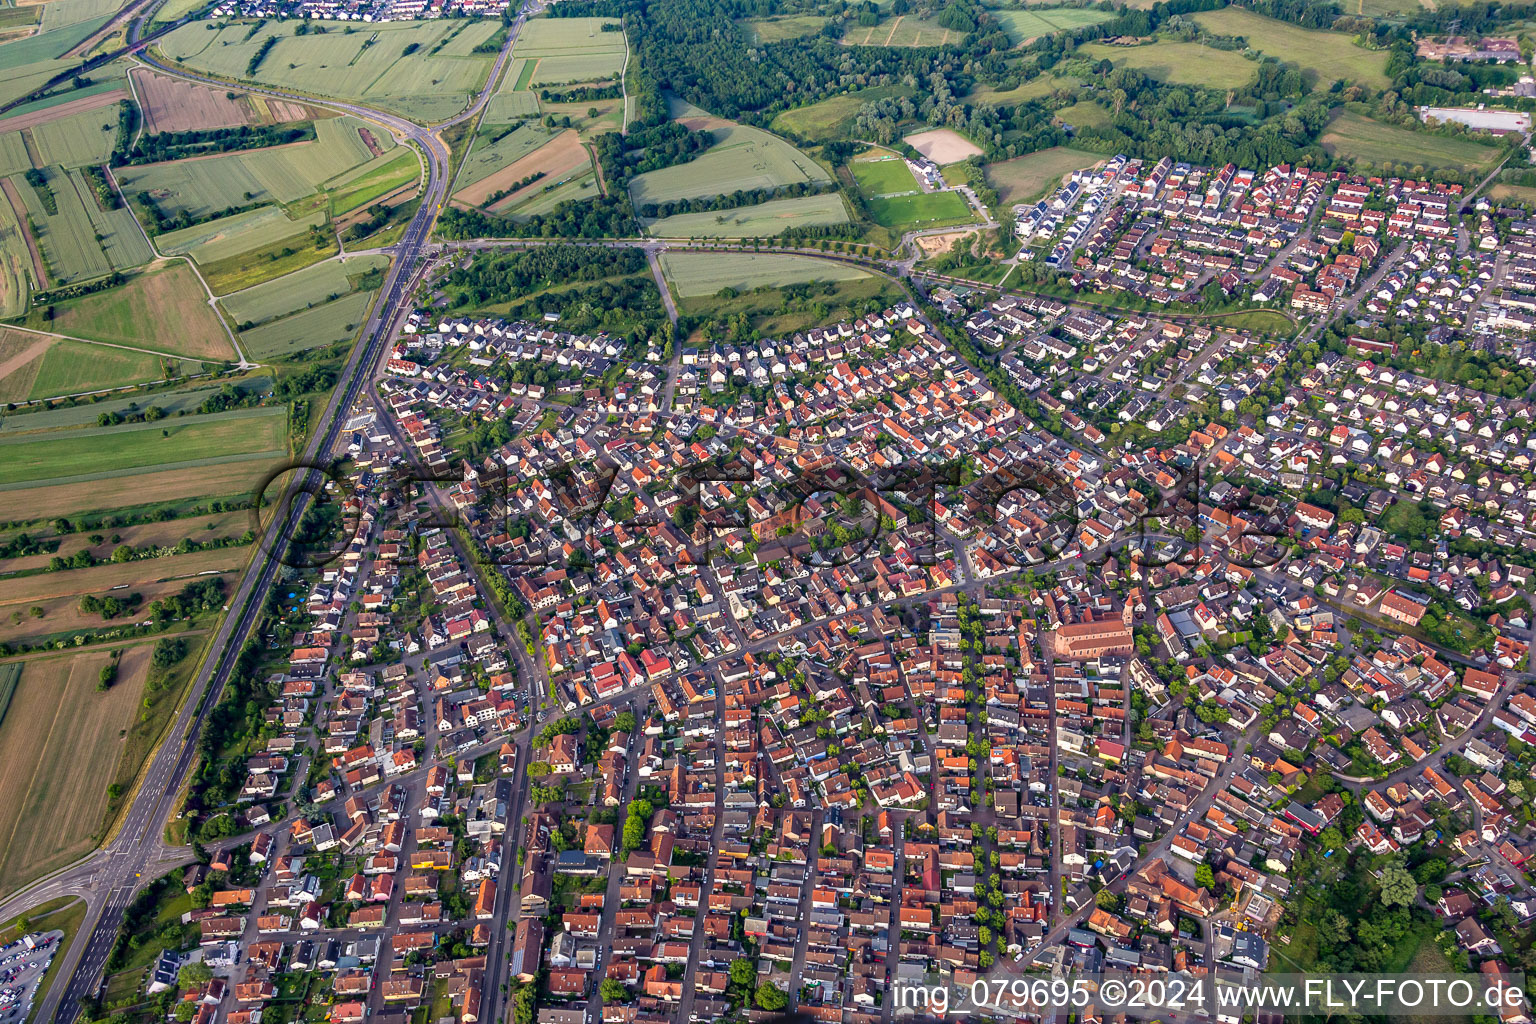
(22, 966)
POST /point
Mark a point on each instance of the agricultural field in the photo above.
(693, 275)
(1324, 57)
(234, 476)
(81, 241)
(832, 117)
(147, 536)
(164, 308)
(1085, 114)
(184, 398)
(741, 158)
(163, 444)
(176, 105)
(1026, 178)
(562, 159)
(1178, 63)
(776, 30)
(28, 62)
(325, 324)
(59, 744)
(1513, 194)
(231, 236)
(1353, 136)
(902, 30)
(883, 174)
(77, 139)
(18, 276)
(921, 211)
(765, 219)
(423, 70)
(1033, 22)
(374, 181)
(496, 148)
(562, 50)
(294, 293)
(55, 366)
(543, 196)
(280, 174)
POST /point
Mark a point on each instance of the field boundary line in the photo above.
(112, 344)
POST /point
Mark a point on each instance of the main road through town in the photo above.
(109, 878)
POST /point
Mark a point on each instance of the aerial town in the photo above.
(685, 704)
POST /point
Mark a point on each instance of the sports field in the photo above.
(1324, 57)
(883, 174)
(924, 210)
(231, 236)
(768, 218)
(832, 117)
(693, 275)
(1178, 63)
(1033, 22)
(323, 325)
(423, 70)
(164, 308)
(741, 158)
(1353, 136)
(136, 445)
(560, 50)
(281, 174)
(60, 743)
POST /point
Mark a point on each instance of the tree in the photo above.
(1398, 888)
(613, 991)
(193, 975)
(1205, 878)
(771, 998)
(742, 972)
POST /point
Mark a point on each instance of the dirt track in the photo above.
(37, 117)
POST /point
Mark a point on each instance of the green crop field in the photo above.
(1353, 136)
(1026, 178)
(377, 178)
(768, 218)
(486, 157)
(582, 185)
(79, 139)
(1178, 63)
(741, 158)
(508, 106)
(883, 174)
(776, 30)
(924, 210)
(164, 308)
(1024, 25)
(279, 174)
(13, 154)
(1323, 57)
(16, 271)
(295, 292)
(135, 445)
(63, 13)
(313, 328)
(902, 30)
(70, 367)
(69, 237)
(364, 63)
(560, 50)
(832, 117)
(692, 275)
(232, 236)
(26, 63)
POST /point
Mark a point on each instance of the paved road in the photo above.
(109, 878)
